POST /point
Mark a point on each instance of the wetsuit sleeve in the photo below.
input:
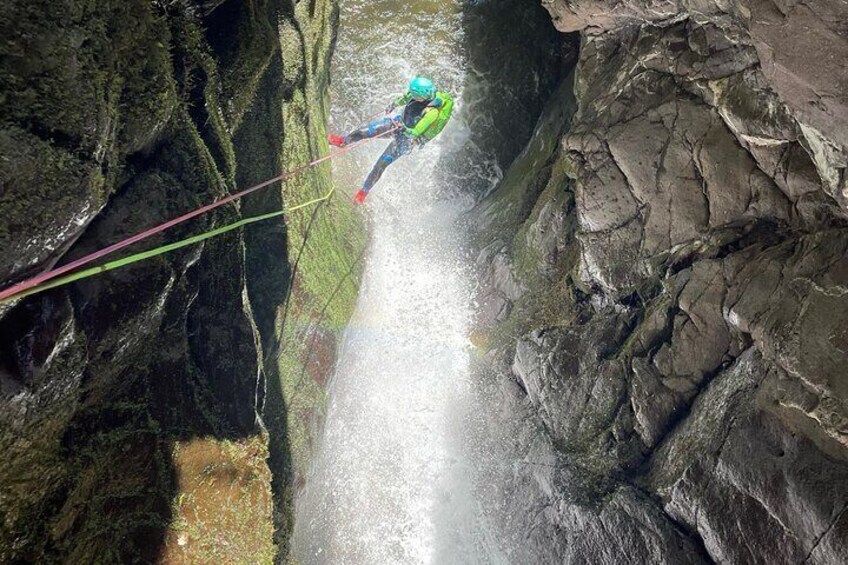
(428, 119)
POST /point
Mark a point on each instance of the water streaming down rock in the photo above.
(389, 483)
(655, 266)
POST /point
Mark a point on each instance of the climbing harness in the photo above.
(40, 282)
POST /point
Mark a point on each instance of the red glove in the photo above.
(360, 197)
(336, 140)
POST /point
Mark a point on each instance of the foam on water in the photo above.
(391, 480)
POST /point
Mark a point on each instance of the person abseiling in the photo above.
(425, 113)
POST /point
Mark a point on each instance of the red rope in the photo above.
(46, 276)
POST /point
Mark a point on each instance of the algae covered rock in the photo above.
(117, 116)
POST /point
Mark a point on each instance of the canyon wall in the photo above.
(143, 413)
(665, 286)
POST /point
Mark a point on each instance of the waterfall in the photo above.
(390, 482)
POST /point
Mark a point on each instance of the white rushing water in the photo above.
(391, 480)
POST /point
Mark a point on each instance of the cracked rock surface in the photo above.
(665, 286)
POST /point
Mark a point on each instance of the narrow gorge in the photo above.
(601, 319)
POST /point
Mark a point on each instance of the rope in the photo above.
(130, 259)
(37, 283)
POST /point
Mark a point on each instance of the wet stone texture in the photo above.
(669, 291)
(108, 129)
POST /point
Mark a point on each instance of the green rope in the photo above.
(130, 259)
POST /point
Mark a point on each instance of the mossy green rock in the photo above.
(117, 116)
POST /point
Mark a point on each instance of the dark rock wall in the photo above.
(115, 117)
(665, 272)
(514, 58)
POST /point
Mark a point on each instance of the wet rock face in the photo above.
(801, 48)
(106, 130)
(513, 63)
(682, 322)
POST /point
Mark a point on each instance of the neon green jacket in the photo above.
(434, 118)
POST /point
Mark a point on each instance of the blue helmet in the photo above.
(423, 88)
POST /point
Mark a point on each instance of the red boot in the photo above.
(336, 140)
(360, 197)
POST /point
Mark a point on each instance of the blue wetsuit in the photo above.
(401, 143)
